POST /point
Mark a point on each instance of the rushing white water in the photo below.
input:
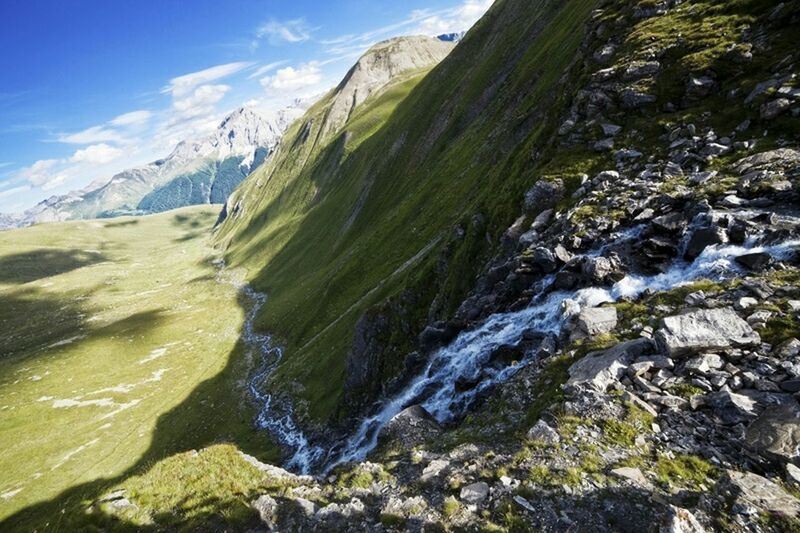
(466, 358)
(279, 422)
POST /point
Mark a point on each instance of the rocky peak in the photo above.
(379, 66)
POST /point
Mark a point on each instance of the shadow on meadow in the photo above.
(216, 411)
(21, 268)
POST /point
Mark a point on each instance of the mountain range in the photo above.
(201, 171)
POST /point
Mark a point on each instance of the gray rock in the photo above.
(792, 474)
(705, 363)
(411, 426)
(541, 432)
(755, 261)
(475, 493)
(604, 145)
(731, 408)
(700, 87)
(775, 435)
(703, 238)
(599, 370)
(611, 130)
(634, 475)
(775, 108)
(597, 320)
(633, 99)
(787, 349)
(266, 506)
(680, 520)
(750, 494)
(544, 195)
(707, 329)
(435, 469)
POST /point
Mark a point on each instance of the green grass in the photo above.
(121, 349)
(328, 226)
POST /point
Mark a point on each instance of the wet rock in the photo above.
(506, 355)
(601, 270)
(542, 432)
(751, 494)
(671, 224)
(599, 370)
(775, 435)
(755, 261)
(542, 259)
(436, 335)
(704, 330)
(475, 494)
(703, 238)
(597, 321)
(411, 426)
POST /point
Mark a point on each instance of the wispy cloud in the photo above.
(277, 32)
(95, 134)
(134, 118)
(420, 22)
(14, 191)
(266, 69)
(183, 85)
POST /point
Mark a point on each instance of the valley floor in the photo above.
(119, 347)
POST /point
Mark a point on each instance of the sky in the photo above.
(93, 87)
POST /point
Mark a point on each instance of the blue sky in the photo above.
(92, 87)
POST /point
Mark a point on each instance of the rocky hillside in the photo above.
(197, 172)
(550, 284)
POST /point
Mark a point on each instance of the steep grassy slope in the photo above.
(118, 347)
(368, 217)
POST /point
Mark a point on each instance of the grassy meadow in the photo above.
(118, 348)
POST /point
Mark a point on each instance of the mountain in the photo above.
(202, 171)
(550, 282)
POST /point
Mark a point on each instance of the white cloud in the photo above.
(183, 85)
(460, 18)
(99, 154)
(54, 182)
(40, 172)
(95, 134)
(134, 118)
(291, 31)
(291, 79)
(266, 69)
(201, 101)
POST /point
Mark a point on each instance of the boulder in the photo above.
(755, 261)
(475, 493)
(731, 408)
(598, 370)
(597, 320)
(680, 520)
(775, 435)
(542, 259)
(411, 426)
(703, 238)
(544, 195)
(775, 108)
(542, 432)
(266, 506)
(702, 330)
(752, 494)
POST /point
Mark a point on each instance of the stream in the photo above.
(466, 359)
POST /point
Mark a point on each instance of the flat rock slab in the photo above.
(599, 370)
(775, 435)
(703, 330)
(748, 492)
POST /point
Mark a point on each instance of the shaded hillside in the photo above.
(337, 230)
